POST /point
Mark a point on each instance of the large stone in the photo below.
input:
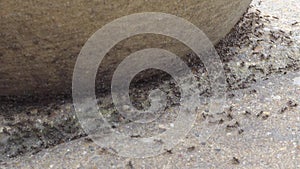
(40, 40)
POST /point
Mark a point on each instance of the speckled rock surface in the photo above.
(41, 40)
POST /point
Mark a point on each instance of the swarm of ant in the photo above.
(254, 33)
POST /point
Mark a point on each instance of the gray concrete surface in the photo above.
(267, 136)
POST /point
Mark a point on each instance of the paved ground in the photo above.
(259, 129)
